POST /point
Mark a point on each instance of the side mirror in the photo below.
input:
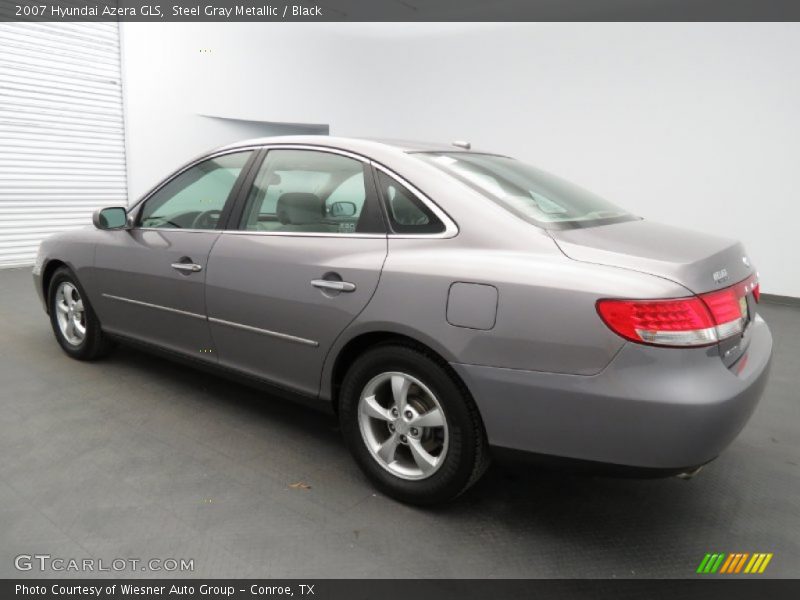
(343, 209)
(114, 217)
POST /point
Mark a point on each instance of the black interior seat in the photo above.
(302, 211)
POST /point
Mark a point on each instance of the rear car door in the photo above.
(151, 277)
(303, 263)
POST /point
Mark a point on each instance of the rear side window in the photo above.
(407, 213)
(308, 191)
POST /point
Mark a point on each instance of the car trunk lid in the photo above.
(701, 263)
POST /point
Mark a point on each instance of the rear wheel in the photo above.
(412, 425)
(74, 323)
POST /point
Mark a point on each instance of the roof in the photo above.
(354, 144)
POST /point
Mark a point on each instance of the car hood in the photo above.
(697, 261)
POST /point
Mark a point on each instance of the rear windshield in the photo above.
(534, 195)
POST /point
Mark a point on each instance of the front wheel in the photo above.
(412, 425)
(74, 323)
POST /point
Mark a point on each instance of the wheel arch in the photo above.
(48, 271)
(350, 348)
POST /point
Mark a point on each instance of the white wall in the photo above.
(691, 124)
(62, 143)
(167, 88)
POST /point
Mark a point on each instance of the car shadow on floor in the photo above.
(594, 516)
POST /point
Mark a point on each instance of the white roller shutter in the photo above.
(62, 142)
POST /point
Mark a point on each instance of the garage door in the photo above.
(62, 146)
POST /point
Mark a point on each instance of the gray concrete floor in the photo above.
(138, 457)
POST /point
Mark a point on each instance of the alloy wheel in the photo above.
(403, 425)
(70, 313)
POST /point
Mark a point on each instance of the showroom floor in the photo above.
(137, 457)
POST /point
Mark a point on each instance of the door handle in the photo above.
(333, 285)
(189, 267)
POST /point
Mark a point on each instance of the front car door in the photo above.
(305, 260)
(151, 277)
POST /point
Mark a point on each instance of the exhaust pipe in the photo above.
(689, 474)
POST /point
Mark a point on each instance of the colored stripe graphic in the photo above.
(737, 558)
(703, 563)
(710, 563)
(717, 563)
(741, 561)
(727, 565)
(757, 565)
(752, 563)
(765, 563)
(720, 562)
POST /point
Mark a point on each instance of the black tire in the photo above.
(95, 343)
(466, 458)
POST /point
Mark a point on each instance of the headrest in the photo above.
(300, 208)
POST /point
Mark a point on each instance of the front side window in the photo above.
(532, 194)
(195, 198)
(308, 191)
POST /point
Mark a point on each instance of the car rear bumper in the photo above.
(654, 408)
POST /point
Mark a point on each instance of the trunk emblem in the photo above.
(720, 276)
(746, 261)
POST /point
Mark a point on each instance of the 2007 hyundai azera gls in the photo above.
(448, 304)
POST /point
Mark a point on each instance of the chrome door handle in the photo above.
(333, 285)
(190, 267)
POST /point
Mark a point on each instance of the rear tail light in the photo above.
(692, 321)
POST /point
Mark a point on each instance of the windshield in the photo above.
(534, 195)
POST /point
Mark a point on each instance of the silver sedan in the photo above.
(447, 304)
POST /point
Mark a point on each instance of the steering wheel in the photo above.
(159, 222)
(207, 219)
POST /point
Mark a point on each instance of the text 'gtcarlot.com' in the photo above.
(46, 562)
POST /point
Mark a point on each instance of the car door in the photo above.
(151, 276)
(305, 260)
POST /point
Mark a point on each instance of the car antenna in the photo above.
(461, 144)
